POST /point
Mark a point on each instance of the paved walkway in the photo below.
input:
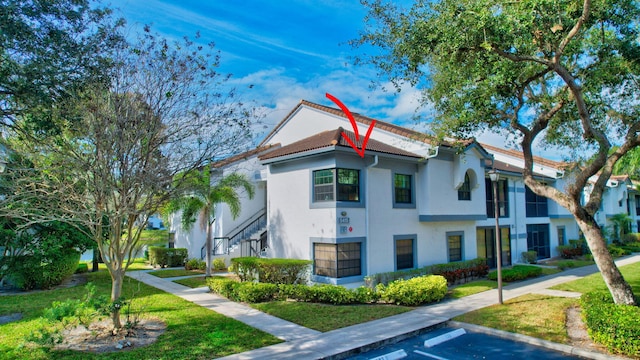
(304, 343)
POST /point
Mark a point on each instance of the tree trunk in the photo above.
(619, 288)
(208, 248)
(117, 279)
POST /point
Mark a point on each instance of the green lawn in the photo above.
(194, 282)
(544, 316)
(154, 237)
(539, 316)
(137, 264)
(471, 288)
(325, 317)
(594, 281)
(174, 272)
(192, 332)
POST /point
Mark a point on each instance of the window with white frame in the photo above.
(336, 184)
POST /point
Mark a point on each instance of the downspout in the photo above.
(366, 212)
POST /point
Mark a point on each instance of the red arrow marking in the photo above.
(354, 126)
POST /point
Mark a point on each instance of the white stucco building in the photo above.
(405, 204)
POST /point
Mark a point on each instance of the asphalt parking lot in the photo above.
(458, 344)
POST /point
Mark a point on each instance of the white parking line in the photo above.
(429, 355)
(398, 354)
(444, 337)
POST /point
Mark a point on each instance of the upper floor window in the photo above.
(503, 198)
(336, 184)
(403, 189)
(464, 192)
(536, 204)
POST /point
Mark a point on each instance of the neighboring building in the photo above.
(407, 203)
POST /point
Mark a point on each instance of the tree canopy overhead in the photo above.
(48, 50)
(563, 71)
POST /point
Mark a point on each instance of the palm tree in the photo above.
(202, 197)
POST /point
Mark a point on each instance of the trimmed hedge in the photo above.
(272, 271)
(161, 256)
(195, 264)
(617, 251)
(417, 291)
(615, 326)
(459, 271)
(516, 273)
(35, 272)
(413, 292)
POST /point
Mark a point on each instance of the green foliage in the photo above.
(530, 257)
(255, 292)
(49, 50)
(37, 272)
(223, 286)
(274, 271)
(82, 268)
(630, 238)
(161, 256)
(246, 268)
(615, 326)
(195, 264)
(218, 264)
(517, 273)
(617, 251)
(631, 246)
(453, 272)
(416, 291)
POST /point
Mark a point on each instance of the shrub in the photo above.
(617, 251)
(274, 271)
(415, 291)
(82, 268)
(37, 272)
(246, 268)
(630, 238)
(516, 273)
(256, 292)
(283, 271)
(365, 295)
(631, 246)
(453, 272)
(223, 286)
(530, 257)
(460, 271)
(195, 264)
(218, 264)
(615, 326)
(160, 256)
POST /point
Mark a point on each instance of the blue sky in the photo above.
(282, 51)
(287, 50)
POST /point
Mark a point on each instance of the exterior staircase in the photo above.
(247, 239)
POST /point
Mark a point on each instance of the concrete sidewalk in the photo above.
(282, 329)
(303, 343)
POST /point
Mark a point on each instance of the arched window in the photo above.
(464, 192)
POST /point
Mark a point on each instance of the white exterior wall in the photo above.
(194, 239)
(440, 173)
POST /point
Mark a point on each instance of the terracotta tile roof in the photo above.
(333, 138)
(243, 156)
(395, 129)
(506, 167)
(536, 159)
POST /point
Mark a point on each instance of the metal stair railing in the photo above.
(250, 229)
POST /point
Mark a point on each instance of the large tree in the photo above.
(49, 49)
(165, 111)
(563, 72)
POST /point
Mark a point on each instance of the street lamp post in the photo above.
(493, 175)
